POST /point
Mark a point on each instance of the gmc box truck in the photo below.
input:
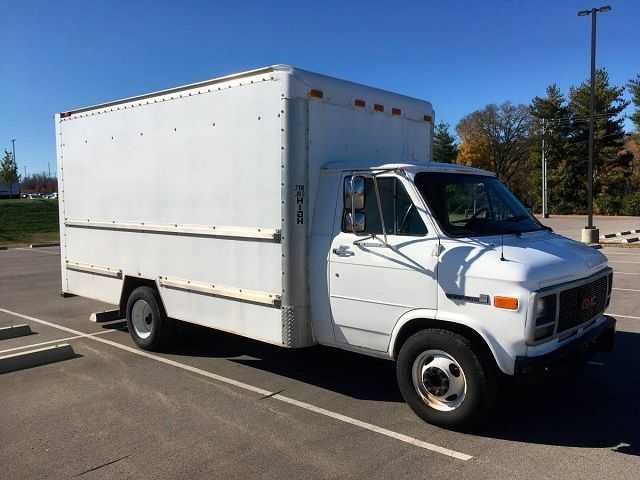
(299, 209)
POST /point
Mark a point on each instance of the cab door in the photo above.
(374, 280)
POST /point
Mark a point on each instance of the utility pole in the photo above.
(13, 147)
(545, 197)
(590, 234)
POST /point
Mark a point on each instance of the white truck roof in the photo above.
(336, 91)
(411, 168)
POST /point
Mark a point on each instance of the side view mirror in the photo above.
(354, 192)
(354, 223)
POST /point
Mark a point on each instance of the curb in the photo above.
(40, 245)
(620, 234)
(620, 245)
(14, 331)
(106, 316)
(34, 358)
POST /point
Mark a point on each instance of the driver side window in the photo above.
(400, 214)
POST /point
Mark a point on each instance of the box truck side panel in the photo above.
(187, 189)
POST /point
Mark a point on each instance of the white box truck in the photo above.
(299, 209)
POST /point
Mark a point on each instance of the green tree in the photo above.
(550, 115)
(445, 148)
(634, 88)
(9, 170)
(611, 169)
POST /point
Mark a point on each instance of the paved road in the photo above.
(572, 225)
(113, 412)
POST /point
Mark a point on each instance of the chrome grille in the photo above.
(580, 304)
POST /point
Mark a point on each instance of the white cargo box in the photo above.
(209, 191)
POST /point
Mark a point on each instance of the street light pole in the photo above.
(545, 198)
(590, 234)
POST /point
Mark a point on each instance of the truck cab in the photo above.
(441, 268)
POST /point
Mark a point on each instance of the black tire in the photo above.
(160, 327)
(479, 373)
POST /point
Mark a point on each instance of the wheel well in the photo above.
(129, 285)
(414, 326)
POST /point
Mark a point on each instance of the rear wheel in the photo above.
(147, 321)
(443, 380)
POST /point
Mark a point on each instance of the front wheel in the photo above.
(443, 380)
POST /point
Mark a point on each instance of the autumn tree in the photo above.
(497, 138)
(445, 148)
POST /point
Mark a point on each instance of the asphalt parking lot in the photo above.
(221, 406)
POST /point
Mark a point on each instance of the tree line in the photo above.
(34, 183)
(507, 139)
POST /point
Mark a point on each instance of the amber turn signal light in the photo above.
(508, 303)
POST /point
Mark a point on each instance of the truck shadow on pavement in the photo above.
(343, 372)
(598, 409)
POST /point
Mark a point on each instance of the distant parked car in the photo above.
(33, 196)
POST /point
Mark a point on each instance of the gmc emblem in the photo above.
(589, 302)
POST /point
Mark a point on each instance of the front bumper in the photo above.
(599, 339)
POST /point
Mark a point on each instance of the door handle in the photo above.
(343, 251)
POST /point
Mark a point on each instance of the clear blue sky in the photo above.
(460, 55)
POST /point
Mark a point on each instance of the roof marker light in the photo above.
(378, 108)
(396, 111)
(316, 93)
(428, 118)
(65, 114)
(359, 103)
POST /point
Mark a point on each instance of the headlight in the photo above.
(545, 315)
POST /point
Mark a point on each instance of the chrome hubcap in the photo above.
(142, 318)
(439, 380)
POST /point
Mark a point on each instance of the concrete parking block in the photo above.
(14, 331)
(105, 316)
(34, 358)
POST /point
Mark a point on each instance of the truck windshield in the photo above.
(467, 205)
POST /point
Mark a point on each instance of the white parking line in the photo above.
(626, 289)
(623, 316)
(621, 261)
(59, 340)
(261, 391)
(599, 364)
(625, 273)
